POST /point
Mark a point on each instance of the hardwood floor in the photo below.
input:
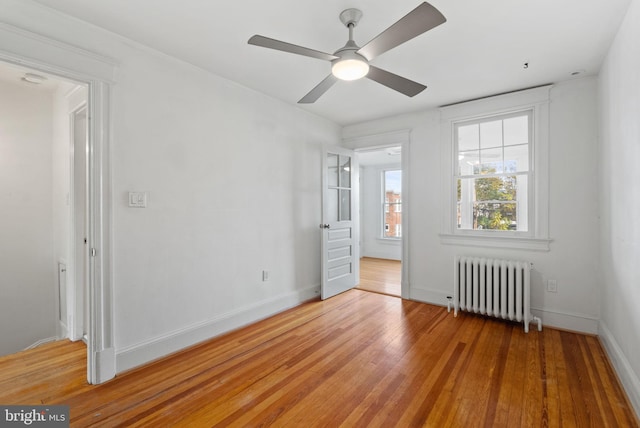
(380, 276)
(358, 359)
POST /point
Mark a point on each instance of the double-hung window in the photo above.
(496, 171)
(492, 177)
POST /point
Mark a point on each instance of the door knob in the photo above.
(324, 226)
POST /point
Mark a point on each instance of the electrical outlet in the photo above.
(265, 275)
(552, 286)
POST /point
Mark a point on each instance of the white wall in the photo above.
(572, 259)
(234, 188)
(619, 202)
(27, 267)
(371, 215)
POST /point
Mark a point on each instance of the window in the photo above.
(392, 206)
(495, 166)
(492, 176)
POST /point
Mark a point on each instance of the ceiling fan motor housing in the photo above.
(350, 16)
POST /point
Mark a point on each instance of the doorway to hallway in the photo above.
(381, 215)
(380, 276)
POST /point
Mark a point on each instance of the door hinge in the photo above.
(93, 252)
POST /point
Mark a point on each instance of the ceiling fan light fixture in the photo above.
(34, 79)
(350, 67)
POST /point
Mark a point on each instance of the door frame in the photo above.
(401, 138)
(27, 49)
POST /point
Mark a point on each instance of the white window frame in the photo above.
(537, 236)
(527, 213)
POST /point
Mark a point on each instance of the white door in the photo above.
(340, 261)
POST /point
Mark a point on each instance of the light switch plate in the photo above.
(138, 199)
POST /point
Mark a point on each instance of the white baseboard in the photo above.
(628, 378)
(136, 355)
(580, 323)
(574, 322)
(382, 255)
(435, 297)
(42, 342)
(64, 332)
(105, 365)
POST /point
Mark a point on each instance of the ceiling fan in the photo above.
(351, 62)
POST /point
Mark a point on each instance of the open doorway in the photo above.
(381, 220)
(42, 278)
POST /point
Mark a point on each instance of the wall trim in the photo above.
(41, 342)
(485, 241)
(161, 346)
(377, 141)
(580, 323)
(53, 56)
(379, 255)
(628, 378)
(429, 295)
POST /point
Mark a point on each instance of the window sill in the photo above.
(511, 242)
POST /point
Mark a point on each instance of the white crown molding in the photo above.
(33, 50)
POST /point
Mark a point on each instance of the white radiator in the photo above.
(494, 287)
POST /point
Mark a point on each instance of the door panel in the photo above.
(339, 229)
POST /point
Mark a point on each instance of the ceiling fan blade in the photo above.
(393, 81)
(266, 42)
(422, 18)
(320, 89)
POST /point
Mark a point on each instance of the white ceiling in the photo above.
(378, 157)
(13, 74)
(479, 51)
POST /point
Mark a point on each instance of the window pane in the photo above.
(516, 158)
(491, 203)
(345, 205)
(491, 134)
(393, 182)
(495, 188)
(516, 130)
(392, 224)
(332, 170)
(467, 161)
(332, 205)
(490, 162)
(494, 216)
(345, 171)
(468, 137)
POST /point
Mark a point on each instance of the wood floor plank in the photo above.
(359, 359)
(380, 276)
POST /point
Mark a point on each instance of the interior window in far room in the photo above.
(392, 205)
